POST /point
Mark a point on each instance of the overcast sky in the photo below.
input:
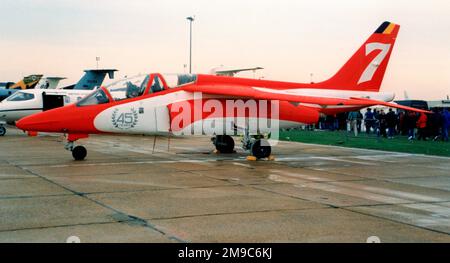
(290, 39)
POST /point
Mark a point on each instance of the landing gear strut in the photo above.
(2, 130)
(255, 144)
(78, 152)
(224, 143)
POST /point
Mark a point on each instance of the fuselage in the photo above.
(175, 110)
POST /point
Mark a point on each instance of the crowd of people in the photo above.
(420, 126)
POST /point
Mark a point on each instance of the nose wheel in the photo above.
(2, 130)
(79, 153)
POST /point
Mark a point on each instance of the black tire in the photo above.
(261, 151)
(2, 131)
(224, 143)
(79, 153)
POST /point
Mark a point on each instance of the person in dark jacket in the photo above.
(445, 124)
(391, 122)
(401, 129)
(383, 123)
(359, 120)
(434, 124)
(409, 121)
(369, 120)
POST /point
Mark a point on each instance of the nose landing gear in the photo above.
(78, 152)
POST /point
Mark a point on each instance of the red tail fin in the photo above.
(365, 69)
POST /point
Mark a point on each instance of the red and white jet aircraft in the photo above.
(200, 104)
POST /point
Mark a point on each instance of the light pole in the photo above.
(97, 59)
(191, 19)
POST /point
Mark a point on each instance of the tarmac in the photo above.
(184, 192)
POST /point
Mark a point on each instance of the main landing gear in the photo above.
(2, 130)
(79, 152)
(256, 145)
(223, 143)
(261, 149)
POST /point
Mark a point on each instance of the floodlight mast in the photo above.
(191, 19)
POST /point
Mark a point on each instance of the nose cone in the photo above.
(42, 122)
(21, 124)
(67, 119)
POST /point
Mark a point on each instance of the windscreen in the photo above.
(97, 97)
(20, 96)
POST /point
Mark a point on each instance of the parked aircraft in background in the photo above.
(27, 102)
(5, 91)
(49, 83)
(6, 85)
(92, 78)
(163, 104)
(28, 82)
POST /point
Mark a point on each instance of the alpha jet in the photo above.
(221, 106)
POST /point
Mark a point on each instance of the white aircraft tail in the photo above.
(49, 83)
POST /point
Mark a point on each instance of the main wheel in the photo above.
(261, 149)
(79, 153)
(224, 143)
(2, 130)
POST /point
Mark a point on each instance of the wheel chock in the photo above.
(251, 158)
(271, 158)
(216, 151)
(32, 133)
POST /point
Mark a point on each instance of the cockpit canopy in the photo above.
(136, 86)
(147, 84)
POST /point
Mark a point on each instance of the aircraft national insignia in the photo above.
(124, 120)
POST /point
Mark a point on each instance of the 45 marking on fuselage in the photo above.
(124, 119)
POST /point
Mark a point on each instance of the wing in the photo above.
(389, 104)
(245, 92)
